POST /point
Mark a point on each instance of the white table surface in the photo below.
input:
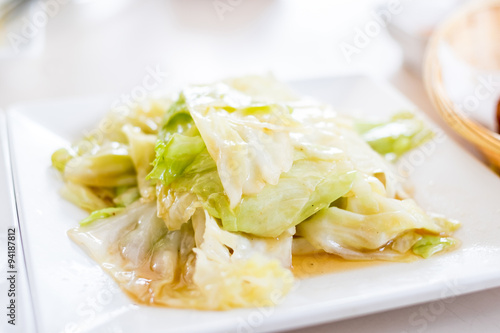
(104, 47)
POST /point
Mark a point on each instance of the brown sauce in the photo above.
(304, 266)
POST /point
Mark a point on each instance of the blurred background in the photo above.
(65, 48)
(58, 49)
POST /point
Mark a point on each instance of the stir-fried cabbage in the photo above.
(201, 202)
(199, 266)
(395, 137)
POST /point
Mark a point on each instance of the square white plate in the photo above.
(72, 294)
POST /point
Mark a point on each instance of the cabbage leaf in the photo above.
(393, 138)
(429, 245)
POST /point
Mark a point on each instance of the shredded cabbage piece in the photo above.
(400, 134)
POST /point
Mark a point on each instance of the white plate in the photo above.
(8, 220)
(72, 294)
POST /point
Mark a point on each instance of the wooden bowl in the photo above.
(473, 34)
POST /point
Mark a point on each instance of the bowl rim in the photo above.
(486, 140)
